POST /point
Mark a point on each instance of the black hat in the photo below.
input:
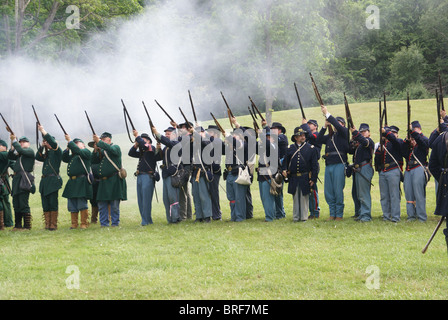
(170, 129)
(340, 119)
(278, 125)
(212, 127)
(416, 124)
(364, 127)
(394, 129)
(106, 135)
(185, 124)
(298, 132)
(146, 136)
(313, 122)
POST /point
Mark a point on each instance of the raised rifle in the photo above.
(349, 117)
(192, 108)
(187, 123)
(229, 111)
(63, 130)
(319, 99)
(409, 120)
(256, 127)
(438, 113)
(37, 127)
(169, 117)
(379, 160)
(254, 106)
(126, 118)
(151, 124)
(300, 102)
(442, 103)
(218, 125)
(90, 123)
(8, 128)
(385, 109)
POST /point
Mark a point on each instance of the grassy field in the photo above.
(225, 260)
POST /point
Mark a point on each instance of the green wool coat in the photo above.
(51, 180)
(111, 186)
(78, 185)
(5, 163)
(26, 156)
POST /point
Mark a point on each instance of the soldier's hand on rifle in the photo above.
(67, 138)
(324, 110)
(264, 123)
(304, 121)
(443, 114)
(96, 139)
(12, 137)
(285, 173)
(135, 133)
(352, 129)
(327, 124)
(173, 124)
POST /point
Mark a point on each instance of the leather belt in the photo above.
(362, 164)
(76, 177)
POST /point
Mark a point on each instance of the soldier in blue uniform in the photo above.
(146, 173)
(336, 149)
(170, 193)
(310, 126)
(201, 176)
(277, 129)
(415, 151)
(215, 139)
(438, 165)
(362, 172)
(389, 163)
(236, 152)
(265, 175)
(301, 167)
(185, 196)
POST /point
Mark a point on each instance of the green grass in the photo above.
(225, 260)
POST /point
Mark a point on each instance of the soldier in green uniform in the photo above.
(22, 182)
(5, 188)
(78, 188)
(96, 181)
(112, 186)
(51, 155)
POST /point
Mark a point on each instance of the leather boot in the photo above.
(53, 220)
(2, 221)
(94, 218)
(84, 219)
(74, 220)
(27, 221)
(47, 219)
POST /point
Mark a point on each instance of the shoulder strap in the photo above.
(113, 163)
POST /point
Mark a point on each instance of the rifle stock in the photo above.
(218, 125)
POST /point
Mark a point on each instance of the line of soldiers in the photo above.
(98, 175)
